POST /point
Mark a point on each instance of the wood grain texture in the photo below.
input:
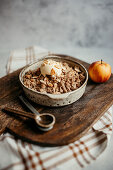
(72, 121)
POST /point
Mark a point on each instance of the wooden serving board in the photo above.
(72, 121)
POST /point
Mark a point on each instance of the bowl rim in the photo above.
(55, 55)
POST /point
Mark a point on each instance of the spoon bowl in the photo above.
(45, 120)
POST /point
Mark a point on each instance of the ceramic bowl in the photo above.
(48, 99)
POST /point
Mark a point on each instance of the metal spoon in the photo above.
(45, 121)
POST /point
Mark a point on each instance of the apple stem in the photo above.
(101, 61)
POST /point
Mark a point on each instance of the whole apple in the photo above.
(99, 71)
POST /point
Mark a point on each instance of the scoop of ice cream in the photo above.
(51, 67)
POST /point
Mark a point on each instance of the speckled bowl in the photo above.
(51, 99)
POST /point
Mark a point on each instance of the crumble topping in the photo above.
(54, 77)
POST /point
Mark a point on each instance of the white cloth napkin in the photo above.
(18, 155)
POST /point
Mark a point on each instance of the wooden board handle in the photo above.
(2, 129)
(19, 112)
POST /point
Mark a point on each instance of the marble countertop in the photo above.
(83, 29)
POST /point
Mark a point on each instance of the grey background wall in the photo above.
(56, 23)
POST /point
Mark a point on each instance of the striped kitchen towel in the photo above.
(18, 155)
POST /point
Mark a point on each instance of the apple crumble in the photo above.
(54, 77)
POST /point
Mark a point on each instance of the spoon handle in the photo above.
(19, 112)
(29, 106)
